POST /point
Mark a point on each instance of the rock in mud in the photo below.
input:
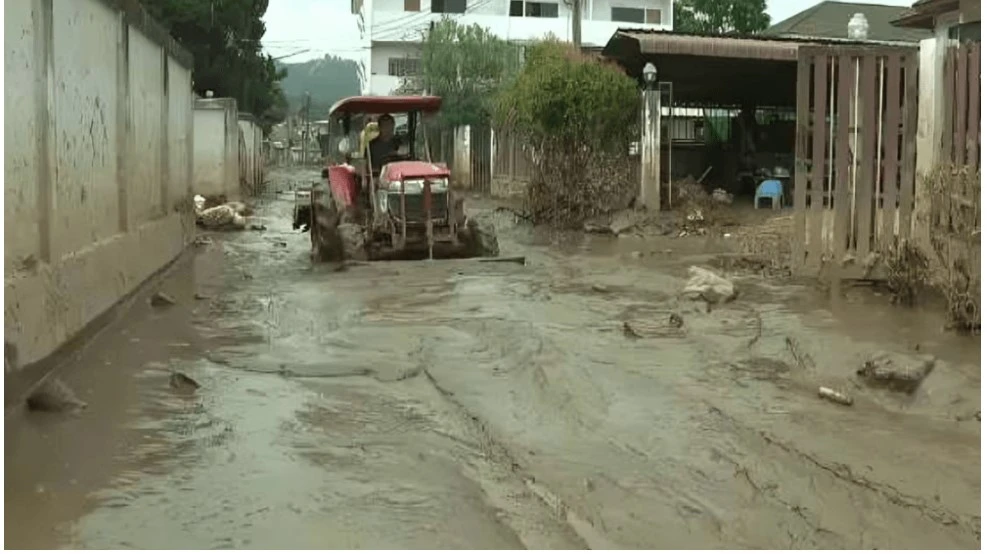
(54, 396)
(709, 286)
(161, 299)
(630, 332)
(897, 372)
(182, 383)
(675, 321)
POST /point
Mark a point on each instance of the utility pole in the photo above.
(577, 23)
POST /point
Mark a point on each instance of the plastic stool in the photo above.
(770, 188)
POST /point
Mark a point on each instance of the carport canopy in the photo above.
(712, 71)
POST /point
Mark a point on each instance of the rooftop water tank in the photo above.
(858, 27)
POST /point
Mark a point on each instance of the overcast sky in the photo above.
(327, 27)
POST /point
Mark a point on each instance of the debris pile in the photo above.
(226, 216)
(696, 207)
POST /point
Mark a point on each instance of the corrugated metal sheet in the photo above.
(717, 47)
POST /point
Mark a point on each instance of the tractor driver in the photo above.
(385, 144)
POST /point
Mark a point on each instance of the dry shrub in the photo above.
(908, 272)
(566, 194)
(955, 238)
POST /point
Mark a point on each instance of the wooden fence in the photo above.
(955, 185)
(961, 132)
(856, 122)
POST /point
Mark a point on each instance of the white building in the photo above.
(391, 29)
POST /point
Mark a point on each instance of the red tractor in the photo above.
(398, 206)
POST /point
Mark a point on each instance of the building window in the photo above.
(404, 67)
(448, 6)
(636, 15)
(412, 5)
(521, 8)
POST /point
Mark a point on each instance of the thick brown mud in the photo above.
(460, 404)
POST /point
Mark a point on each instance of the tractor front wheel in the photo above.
(324, 231)
(480, 238)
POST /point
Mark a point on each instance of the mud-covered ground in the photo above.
(460, 404)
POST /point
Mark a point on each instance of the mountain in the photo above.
(327, 79)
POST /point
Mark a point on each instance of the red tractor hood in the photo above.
(399, 171)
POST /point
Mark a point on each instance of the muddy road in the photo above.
(458, 404)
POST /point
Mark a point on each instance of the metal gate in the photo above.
(854, 155)
(480, 158)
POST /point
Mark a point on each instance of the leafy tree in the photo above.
(576, 115)
(224, 38)
(721, 16)
(465, 64)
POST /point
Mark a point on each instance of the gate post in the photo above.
(650, 193)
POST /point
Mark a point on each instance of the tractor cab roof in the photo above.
(376, 105)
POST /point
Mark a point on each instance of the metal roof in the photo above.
(665, 42)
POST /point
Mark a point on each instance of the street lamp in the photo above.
(650, 74)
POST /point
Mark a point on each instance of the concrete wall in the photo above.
(216, 168)
(251, 154)
(98, 109)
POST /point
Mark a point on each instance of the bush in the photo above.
(578, 116)
(955, 238)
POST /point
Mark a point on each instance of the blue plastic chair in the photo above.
(772, 189)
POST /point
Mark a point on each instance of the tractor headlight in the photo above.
(439, 185)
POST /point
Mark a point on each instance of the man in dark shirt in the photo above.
(385, 144)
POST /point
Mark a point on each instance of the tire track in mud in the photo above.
(844, 473)
(497, 453)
